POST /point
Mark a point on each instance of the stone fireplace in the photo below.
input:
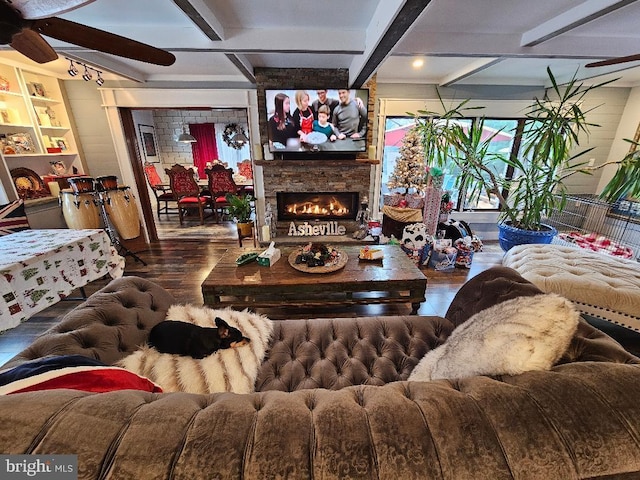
(303, 183)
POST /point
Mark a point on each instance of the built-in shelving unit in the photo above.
(35, 129)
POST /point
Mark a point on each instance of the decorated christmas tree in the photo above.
(409, 171)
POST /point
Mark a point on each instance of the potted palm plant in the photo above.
(554, 126)
(240, 209)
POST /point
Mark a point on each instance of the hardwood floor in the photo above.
(180, 266)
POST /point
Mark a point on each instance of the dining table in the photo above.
(38, 268)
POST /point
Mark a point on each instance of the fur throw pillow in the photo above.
(230, 370)
(512, 337)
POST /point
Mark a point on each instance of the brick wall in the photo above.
(168, 125)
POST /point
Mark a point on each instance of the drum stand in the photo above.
(113, 235)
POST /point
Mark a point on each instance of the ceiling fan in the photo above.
(614, 61)
(23, 22)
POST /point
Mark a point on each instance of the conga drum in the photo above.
(121, 207)
(106, 183)
(79, 209)
(82, 184)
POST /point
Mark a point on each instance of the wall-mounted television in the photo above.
(318, 120)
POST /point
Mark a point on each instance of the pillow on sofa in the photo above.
(13, 218)
(231, 370)
(512, 337)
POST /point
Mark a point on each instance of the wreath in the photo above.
(230, 131)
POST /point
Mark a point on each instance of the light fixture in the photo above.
(73, 71)
(240, 138)
(234, 136)
(418, 63)
(86, 76)
(184, 137)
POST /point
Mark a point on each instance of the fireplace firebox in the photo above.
(317, 205)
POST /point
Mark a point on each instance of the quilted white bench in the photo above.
(601, 286)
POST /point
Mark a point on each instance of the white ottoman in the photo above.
(602, 286)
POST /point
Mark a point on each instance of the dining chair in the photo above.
(220, 183)
(245, 168)
(161, 190)
(186, 191)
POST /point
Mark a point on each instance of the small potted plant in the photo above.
(240, 209)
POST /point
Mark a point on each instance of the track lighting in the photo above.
(73, 71)
(87, 75)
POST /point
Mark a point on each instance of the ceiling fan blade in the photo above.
(34, 9)
(95, 39)
(614, 61)
(32, 45)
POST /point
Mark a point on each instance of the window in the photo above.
(463, 194)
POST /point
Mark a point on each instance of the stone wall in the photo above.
(314, 176)
(317, 175)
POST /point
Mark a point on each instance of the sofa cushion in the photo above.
(512, 337)
(230, 370)
(334, 353)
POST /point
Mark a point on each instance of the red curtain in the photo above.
(205, 149)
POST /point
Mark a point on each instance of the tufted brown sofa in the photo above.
(333, 402)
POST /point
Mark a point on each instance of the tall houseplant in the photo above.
(553, 128)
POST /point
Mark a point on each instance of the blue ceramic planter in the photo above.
(509, 236)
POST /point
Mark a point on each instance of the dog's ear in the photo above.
(223, 328)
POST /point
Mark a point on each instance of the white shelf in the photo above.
(30, 155)
(30, 110)
(10, 93)
(15, 125)
(36, 99)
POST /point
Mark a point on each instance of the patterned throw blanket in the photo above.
(597, 243)
(72, 372)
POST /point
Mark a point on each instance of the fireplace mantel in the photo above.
(317, 175)
(311, 161)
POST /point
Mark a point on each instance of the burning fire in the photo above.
(334, 208)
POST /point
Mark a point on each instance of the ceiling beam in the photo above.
(382, 36)
(242, 63)
(202, 17)
(470, 69)
(575, 17)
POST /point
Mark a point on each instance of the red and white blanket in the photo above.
(67, 372)
(597, 243)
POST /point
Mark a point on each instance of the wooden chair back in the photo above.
(220, 180)
(152, 176)
(245, 169)
(182, 181)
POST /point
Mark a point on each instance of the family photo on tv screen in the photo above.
(333, 120)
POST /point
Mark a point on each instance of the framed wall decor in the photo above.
(149, 143)
(60, 143)
(23, 142)
(37, 90)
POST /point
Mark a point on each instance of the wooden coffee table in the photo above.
(395, 279)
